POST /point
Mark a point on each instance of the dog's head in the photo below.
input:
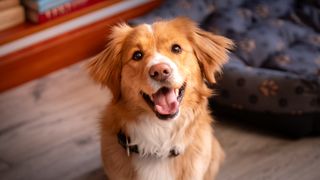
(157, 68)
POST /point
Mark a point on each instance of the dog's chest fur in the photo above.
(155, 140)
(153, 169)
(154, 137)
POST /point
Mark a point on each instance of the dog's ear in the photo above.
(211, 51)
(105, 68)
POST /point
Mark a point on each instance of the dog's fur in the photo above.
(189, 132)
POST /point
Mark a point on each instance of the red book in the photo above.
(59, 11)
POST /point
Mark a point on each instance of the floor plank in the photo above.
(49, 130)
(259, 155)
(48, 127)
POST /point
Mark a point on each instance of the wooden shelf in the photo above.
(66, 49)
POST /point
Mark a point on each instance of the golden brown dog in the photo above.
(158, 126)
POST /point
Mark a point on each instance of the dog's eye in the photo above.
(176, 49)
(137, 55)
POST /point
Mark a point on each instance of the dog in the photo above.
(158, 126)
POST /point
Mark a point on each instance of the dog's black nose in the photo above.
(160, 72)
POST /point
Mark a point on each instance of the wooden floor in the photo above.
(48, 130)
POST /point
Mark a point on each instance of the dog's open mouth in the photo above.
(165, 102)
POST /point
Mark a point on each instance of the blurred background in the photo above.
(267, 107)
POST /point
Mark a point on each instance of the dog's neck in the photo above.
(125, 142)
(157, 137)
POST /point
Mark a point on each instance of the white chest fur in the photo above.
(152, 136)
(157, 138)
(153, 169)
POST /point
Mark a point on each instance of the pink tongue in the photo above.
(166, 102)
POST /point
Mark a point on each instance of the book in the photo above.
(11, 17)
(59, 11)
(43, 5)
(5, 4)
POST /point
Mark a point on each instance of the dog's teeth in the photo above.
(177, 92)
(151, 97)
